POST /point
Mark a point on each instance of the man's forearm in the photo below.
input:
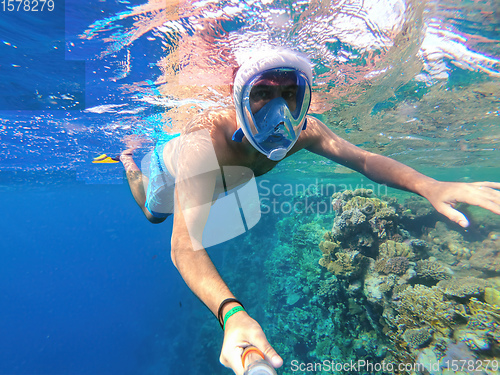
(201, 276)
(388, 171)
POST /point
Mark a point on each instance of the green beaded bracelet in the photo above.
(230, 313)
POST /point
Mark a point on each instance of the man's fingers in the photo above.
(233, 361)
(453, 215)
(486, 198)
(489, 192)
(493, 185)
(271, 356)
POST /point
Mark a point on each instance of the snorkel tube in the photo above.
(254, 363)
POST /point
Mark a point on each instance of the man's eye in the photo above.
(261, 95)
(288, 95)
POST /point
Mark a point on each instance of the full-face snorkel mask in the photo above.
(272, 94)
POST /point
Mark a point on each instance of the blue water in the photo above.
(87, 285)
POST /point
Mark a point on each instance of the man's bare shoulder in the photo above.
(217, 126)
(214, 120)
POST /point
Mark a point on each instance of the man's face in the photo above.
(274, 85)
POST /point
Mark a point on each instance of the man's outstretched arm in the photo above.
(201, 276)
(442, 195)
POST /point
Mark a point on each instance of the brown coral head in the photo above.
(417, 338)
(397, 265)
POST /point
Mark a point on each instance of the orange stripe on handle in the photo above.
(249, 350)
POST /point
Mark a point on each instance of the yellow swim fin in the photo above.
(105, 159)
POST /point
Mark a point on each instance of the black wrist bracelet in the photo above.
(221, 306)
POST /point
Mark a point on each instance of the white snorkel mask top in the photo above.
(277, 86)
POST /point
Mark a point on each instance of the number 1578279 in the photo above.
(27, 5)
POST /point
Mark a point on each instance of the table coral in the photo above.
(432, 270)
(462, 286)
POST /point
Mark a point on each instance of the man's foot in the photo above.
(128, 162)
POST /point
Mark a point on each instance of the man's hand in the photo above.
(242, 331)
(445, 195)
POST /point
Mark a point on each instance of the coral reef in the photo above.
(487, 255)
(485, 319)
(397, 265)
(348, 264)
(421, 306)
(393, 249)
(361, 220)
(432, 270)
(401, 273)
(373, 289)
(417, 338)
(448, 244)
(462, 286)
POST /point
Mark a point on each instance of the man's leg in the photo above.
(136, 182)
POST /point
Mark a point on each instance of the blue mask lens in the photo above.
(272, 122)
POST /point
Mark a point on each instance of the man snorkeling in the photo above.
(272, 94)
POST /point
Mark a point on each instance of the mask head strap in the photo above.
(238, 135)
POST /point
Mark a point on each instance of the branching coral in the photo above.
(484, 317)
(422, 306)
